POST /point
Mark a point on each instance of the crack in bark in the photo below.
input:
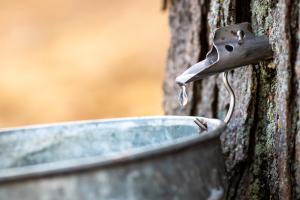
(204, 49)
(243, 11)
(215, 102)
(197, 86)
(294, 29)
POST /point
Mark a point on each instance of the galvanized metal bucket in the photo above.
(133, 158)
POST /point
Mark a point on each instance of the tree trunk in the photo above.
(262, 142)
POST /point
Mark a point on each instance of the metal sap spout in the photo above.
(233, 46)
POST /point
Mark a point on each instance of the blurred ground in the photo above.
(82, 59)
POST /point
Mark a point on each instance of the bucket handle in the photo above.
(202, 125)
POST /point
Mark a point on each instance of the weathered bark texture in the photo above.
(262, 142)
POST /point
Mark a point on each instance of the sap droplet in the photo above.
(183, 96)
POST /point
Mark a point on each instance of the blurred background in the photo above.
(83, 59)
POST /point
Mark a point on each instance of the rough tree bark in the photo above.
(262, 143)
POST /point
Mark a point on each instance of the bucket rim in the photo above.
(70, 166)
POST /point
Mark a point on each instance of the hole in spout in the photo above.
(229, 47)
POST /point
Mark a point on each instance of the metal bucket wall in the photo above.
(137, 158)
